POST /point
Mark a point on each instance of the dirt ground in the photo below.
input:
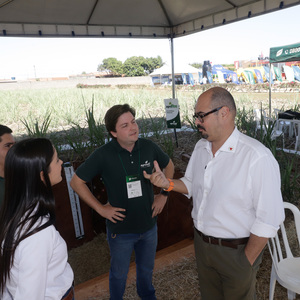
(178, 282)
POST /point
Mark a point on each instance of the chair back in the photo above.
(261, 120)
(279, 245)
(276, 112)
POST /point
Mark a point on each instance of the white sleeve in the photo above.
(267, 199)
(32, 256)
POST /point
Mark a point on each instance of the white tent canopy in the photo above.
(178, 69)
(126, 18)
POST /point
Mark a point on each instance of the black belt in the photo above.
(232, 243)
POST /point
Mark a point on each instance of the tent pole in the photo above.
(173, 82)
(172, 65)
(270, 88)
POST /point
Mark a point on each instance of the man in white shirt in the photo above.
(237, 204)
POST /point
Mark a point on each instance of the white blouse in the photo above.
(40, 269)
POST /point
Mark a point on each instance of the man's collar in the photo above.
(119, 148)
(229, 145)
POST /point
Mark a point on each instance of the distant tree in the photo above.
(135, 66)
(112, 66)
(153, 63)
(197, 65)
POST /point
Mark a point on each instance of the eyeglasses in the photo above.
(200, 116)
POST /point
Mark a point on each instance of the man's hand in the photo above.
(158, 204)
(107, 211)
(254, 247)
(112, 213)
(157, 178)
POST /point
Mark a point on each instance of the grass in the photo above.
(74, 117)
(67, 106)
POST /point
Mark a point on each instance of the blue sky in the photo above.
(244, 40)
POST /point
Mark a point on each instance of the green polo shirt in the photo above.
(113, 163)
(1, 190)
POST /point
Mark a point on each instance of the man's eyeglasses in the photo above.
(200, 116)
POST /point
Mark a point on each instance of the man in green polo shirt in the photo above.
(132, 209)
(6, 141)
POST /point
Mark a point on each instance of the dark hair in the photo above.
(113, 114)
(221, 97)
(3, 130)
(27, 197)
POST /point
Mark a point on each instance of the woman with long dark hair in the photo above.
(33, 256)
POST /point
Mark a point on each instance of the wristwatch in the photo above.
(165, 193)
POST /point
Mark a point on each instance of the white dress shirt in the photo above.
(237, 191)
(40, 269)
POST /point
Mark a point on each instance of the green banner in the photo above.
(172, 113)
(285, 53)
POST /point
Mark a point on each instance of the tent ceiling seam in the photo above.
(5, 3)
(229, 2)
(165, 12)
(92, 12)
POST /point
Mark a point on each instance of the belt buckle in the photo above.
(209, 239)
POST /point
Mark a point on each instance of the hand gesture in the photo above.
(157, 178)
(112, 213)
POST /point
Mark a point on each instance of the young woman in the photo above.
(33, 255)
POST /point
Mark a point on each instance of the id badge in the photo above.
(134, 188)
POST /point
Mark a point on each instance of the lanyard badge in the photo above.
(134, 188)
(133, 182)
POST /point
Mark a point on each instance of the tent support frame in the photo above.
(270, 90)
(173, 80)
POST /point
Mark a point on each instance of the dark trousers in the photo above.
(225, 273)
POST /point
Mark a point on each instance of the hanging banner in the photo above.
(285, 53)
(172, 113)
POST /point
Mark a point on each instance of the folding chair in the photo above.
(285, 266)
(285, 125)
(265, 124)
(260, 119)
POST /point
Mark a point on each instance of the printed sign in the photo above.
(172, 113)
(75, 203)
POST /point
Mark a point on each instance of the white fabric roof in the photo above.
(126, 18)
(167, 70)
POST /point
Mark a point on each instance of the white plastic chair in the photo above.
(284, 125)
(260, 124)
(277, 131)
(285, 266)
(263, 122)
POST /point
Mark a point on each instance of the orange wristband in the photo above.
(171, 186)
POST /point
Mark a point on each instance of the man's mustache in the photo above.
(200, 127)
